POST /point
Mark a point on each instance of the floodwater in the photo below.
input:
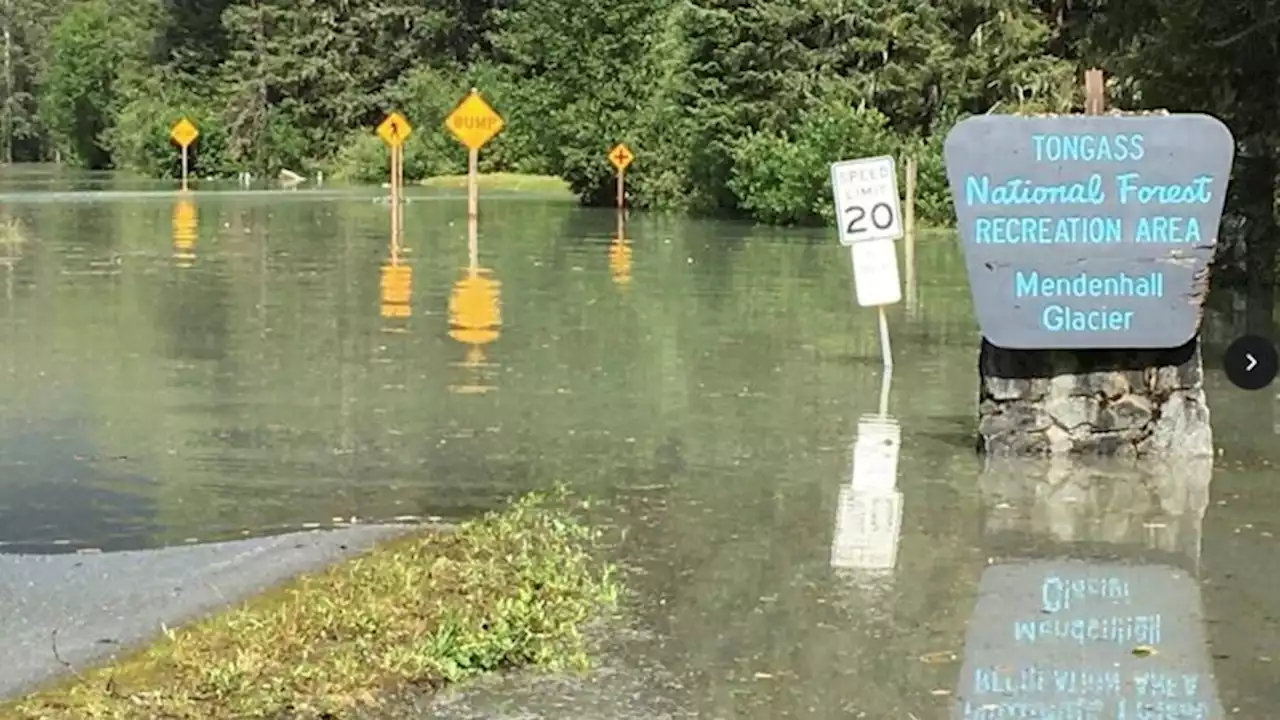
(230, 363)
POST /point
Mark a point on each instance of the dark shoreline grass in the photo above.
(510, 590)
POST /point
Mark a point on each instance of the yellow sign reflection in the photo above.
(185, 224)
(475, 319)
(620, 255)
(396, 288)
(620, 261)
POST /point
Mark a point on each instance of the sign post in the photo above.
(394, 130)
(621, 158)
(474, 123)
(184, 133)
(869, 220)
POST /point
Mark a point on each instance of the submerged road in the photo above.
(101, 604)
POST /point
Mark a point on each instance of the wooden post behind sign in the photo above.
(1095, 92)
(909, 212)
(622, 174)
(909, 230)
(184, 168)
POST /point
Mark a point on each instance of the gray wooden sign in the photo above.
(1088, 231)
(1070, 639)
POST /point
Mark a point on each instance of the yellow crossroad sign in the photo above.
(621, 156)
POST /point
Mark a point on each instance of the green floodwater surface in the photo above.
(178, 369)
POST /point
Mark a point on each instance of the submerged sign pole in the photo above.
(184, 133)
(885, 349)
(869, 221)
(394, 130)
(474, 123)
(620, 156)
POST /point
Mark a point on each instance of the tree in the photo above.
(1219, 58)
(91, 47)
(584, 77)
(24, 30)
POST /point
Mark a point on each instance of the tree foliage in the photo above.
(733, 106)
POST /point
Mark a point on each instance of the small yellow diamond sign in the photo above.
(473, 122)
(621, 156)
(184, 133)
(394, 130)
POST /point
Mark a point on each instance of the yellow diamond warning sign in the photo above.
(473, 122)
(621, 156)
(183, 132)
(394, 130)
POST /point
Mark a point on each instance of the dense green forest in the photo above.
(734, 106)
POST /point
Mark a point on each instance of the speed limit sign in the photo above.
(866, 197)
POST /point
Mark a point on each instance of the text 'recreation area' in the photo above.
(1088, 232)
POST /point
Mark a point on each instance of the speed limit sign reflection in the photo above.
(866, 198)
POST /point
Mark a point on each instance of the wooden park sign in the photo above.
(1089, 231)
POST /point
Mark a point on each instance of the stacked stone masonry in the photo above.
(1129, 403)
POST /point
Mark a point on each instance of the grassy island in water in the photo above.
(415, 614)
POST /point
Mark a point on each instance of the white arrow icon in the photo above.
(1252, 362)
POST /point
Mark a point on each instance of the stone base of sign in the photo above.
(1129, 403)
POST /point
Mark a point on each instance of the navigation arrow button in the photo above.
(1251, 362)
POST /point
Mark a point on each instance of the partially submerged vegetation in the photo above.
(505, 182)
(509, 590)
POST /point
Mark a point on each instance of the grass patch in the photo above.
(511, 182)
(509, 590)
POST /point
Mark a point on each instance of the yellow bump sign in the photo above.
(473, 121)
(621, 156)
(394, 130)
(184, 133)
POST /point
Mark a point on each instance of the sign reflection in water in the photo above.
(475, 319)
(396, 287)
(869, 510)
(620, 255)
(185, 226)
(1090, 607)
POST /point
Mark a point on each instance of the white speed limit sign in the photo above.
(867, 202)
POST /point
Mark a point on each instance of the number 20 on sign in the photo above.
(867, 202)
